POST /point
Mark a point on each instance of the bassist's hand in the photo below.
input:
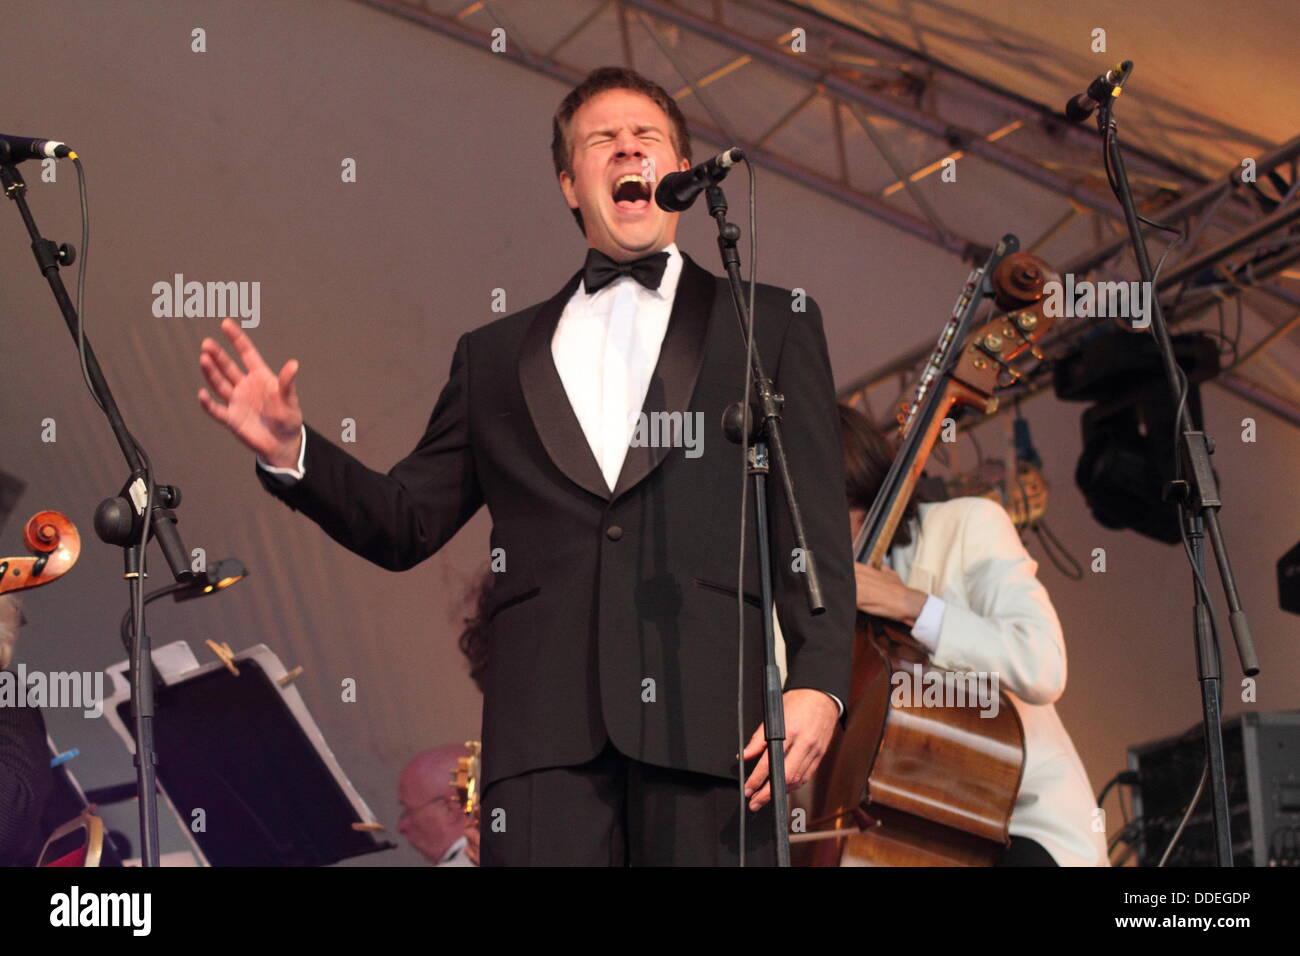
(882, 592)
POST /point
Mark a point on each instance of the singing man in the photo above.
(610, 727)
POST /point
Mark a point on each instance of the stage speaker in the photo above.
(1262, 753)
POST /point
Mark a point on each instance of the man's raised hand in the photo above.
(260, 407)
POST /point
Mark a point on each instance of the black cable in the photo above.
(744, 509)
(1044, 535)
(1191, 806)
(1236, 337)
(136, 585)
(979, 452)
(1223, 335)
(137, 589)
(81, 283)
(1111, 784)
(1131, 828)
(1226, 345)
(1109, 132)
(1109, 140)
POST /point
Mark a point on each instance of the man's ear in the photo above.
(683, 165)
(566, 187)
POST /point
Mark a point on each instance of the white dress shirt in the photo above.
(289, 475)
(606, 347)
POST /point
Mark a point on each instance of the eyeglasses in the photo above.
(412, 811)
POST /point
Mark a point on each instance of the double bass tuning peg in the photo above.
(1018, 280)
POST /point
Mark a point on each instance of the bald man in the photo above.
(433, 819)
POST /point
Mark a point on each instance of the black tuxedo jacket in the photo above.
(615, 617)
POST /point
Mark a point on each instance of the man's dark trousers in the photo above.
(614, 811)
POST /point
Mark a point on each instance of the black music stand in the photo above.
(243, 765)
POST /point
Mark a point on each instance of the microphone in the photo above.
(678, 191)
(15, 149)
(1109, 84)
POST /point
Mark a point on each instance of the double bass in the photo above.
(929, 785)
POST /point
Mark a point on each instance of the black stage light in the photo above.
(1128, 433)
(1288, 580)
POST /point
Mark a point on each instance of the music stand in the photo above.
(243, 765)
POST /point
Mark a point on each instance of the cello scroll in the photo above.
(55, 545)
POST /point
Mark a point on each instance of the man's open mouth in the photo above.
(631, 192)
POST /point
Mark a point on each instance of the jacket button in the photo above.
(613, 532)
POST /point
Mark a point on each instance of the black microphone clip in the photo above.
(1105, 87)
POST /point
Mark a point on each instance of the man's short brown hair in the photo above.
(599, 81)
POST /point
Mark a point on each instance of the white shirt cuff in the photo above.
(928, 622)
(288, 475)
(838, 703)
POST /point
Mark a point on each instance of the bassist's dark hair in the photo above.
(867, 457)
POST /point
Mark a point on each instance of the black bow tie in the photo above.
(600, 270)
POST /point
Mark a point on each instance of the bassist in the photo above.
(959, 577)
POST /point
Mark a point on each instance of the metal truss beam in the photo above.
(1218, 200)
(790, 168)
(802, 67)
(1054, 123)
(1179, 309)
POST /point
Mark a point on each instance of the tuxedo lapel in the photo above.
(548, 402)
(680, 359)
(681, 356)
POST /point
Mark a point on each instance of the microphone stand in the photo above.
(758, 434)
(1199, 501)
(140, 511)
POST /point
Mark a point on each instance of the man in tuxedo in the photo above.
(610, 717)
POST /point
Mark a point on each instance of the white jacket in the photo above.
(998, 619)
